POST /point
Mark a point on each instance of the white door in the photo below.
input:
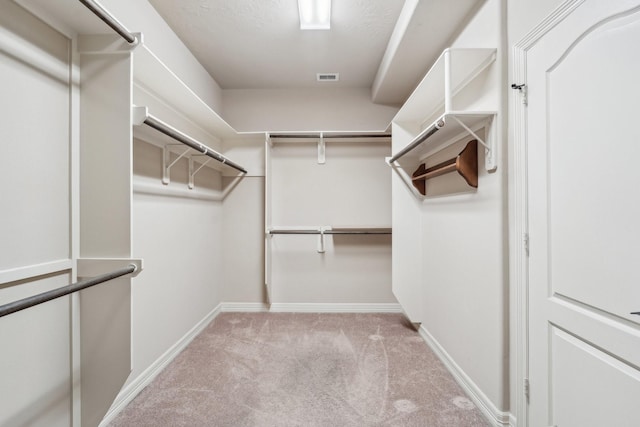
(584, 218)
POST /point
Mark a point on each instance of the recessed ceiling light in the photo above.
(315, 14)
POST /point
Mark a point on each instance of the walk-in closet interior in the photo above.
(177, 161)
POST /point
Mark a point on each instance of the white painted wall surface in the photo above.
(35, 226)
(179, 237)
(243, 240)
(243, 222)
(469, 232)
(461, 253)
(352, 188)
(323, 109)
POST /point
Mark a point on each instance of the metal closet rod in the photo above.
(435, 127)
(24, 303)
(166, 129)
(329, 135)
(349, 232)
(108, 19)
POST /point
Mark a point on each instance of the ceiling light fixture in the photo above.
(315, 14)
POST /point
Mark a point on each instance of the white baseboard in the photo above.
(244, 307)
(285, 307)
(128, 393)
(496, 417)
(513, 421)
(335, 308)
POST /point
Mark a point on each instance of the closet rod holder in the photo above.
(465, 163)
(34, 300)
(141, 116)
(435, 127)
(108, 19)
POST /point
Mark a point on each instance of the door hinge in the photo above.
(523, 91)
(525, 240)
(526, 389)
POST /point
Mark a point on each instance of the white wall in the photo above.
(243, 224)
(35, 201)
(459, 252)
(352, 188)
(314, 109)
(179, 237)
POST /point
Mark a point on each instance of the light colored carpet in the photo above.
(292, 369)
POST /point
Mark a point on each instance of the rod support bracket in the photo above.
(167, 164)
(322, 230)
(193, 171)
(321, 150)
(88, 267)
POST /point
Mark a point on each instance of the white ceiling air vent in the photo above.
(328, 77)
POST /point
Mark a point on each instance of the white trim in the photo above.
(129, 392)
(519, 223)
(244, 307)
(495, 416)
(153, 187)
(335, 308)
(513, 421)
(31, 271)
(285, 307)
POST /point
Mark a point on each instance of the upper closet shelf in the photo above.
(140, 116)
(154, 77)
(435, 97)
(449, 128)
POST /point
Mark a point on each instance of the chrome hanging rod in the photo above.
(108, 19)
(24, 303)
(435, 127)
(328, 135)
(335, 232)
(187, 140)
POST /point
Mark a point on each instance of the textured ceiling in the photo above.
(250, 44)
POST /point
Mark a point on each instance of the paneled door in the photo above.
(584, 218)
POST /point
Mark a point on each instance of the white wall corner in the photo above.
(335, 308)
(496, 417)
(135, 386)
(244, 307)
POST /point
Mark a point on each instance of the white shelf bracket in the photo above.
(192, 171)
(489, 151)
(167, 163)
(321, 150)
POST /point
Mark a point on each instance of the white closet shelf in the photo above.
(173, 140)
(435, 96)
(152, 75)
(446, 130)
(452, 71)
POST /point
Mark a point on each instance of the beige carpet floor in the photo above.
(292, 369)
